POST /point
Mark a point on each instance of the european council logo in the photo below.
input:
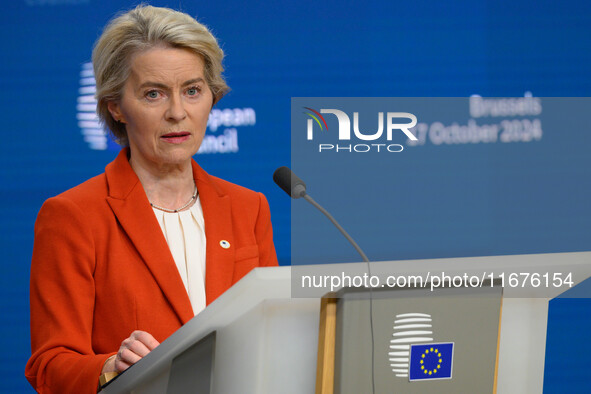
(93, 132)
(431, 361)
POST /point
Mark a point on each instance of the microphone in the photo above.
(296, 188)
(289, 182)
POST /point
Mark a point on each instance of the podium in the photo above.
(266, 326)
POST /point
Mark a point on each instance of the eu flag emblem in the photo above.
(431, 361)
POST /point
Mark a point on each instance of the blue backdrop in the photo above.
(275, 51)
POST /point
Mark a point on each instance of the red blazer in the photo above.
(101, 269)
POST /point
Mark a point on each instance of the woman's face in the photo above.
(165, 105)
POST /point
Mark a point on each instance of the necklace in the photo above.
(193, 197)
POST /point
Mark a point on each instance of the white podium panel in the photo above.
(266, 340)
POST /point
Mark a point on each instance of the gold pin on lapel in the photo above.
(224, 244)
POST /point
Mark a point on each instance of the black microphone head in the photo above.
(289, 182)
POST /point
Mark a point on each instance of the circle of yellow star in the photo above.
(439, 359)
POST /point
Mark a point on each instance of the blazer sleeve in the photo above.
(62, 291)
(264, 234)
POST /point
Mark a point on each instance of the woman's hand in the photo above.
(131, 351)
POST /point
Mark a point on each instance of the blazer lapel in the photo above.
(220, 249)
(132, 209)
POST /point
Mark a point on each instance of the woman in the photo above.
(121, 261)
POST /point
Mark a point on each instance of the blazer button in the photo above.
(224, 244)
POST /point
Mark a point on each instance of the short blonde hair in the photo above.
(140, 29)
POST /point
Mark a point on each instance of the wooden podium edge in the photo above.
(498, 346)
(326, 346)
(106, 378)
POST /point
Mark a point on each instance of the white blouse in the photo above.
(185, 234)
